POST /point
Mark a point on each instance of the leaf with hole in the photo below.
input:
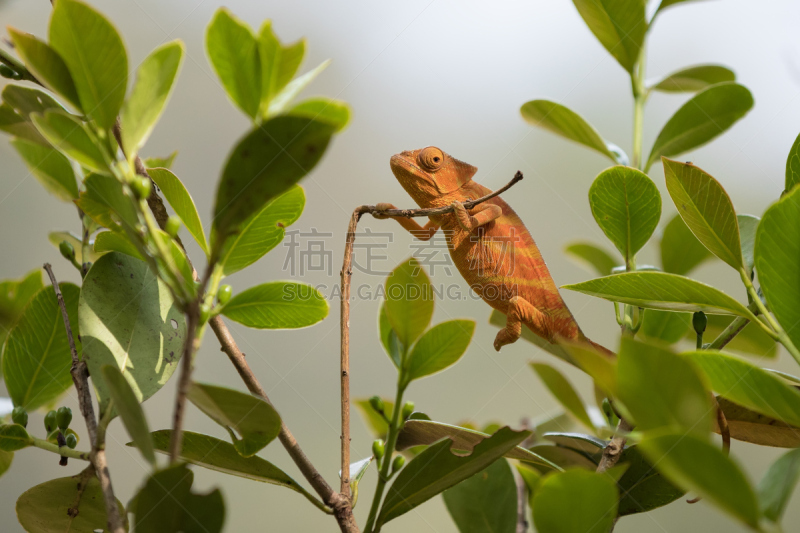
(626, 205)
(563, 121)
(128, 319)
(707, 115)
(95, 56)
(254, 419)
(36, 357)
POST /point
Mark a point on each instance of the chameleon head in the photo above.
(428, 173)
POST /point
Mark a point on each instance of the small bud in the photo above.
(377, 404)
(8, 72)
(398, 463)
(20, 416)
(63, 417)
(378, 449)
(72, 441)
(172, 226)
(50, 421)
(224, 294)
(699, 321)
(608, 411)
(67, 250)
(141, 187)
(408, 408)
(205, 314)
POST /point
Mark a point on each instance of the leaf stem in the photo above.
(639, 100)
(778, 332)
(63, 451)
(386, 462)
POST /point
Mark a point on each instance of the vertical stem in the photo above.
(778, 332)
(639, 100)
(386, 462)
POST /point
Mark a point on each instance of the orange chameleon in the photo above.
(490, 246)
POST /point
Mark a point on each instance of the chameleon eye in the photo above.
(430, 158)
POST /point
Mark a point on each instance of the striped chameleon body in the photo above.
(489, 245)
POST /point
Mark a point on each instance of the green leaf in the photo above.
(575, 500)
(106, 203)
(752, 339)
(579, 442)
(708, 114)
(279, 63)
(277, 305)
(262, 232)
(748, 385)
(793, 166)
(619, 25)
(13, 437)
(485, 502)
(52, 169)
(681, 252)
(27, 100)
(777, 260)
(693, 79)
(706, 209)
(36, 358)
(160, 162)
(16, 125)
(749, 426)
(394, 349)
(437, 469)
(167, 503)
(498, 319)
(113, 241)
(181, 201)
(665, 326)
(695, 464)
(600, 367)
(6, 458)
(627, 206)
(593, 256)
(642, 487)
(154, 80)
(777, 485)
(375, 423)
(14, 296)
(562, 121)
(334, 112)
(128, 319)
(748, 225)
(221, 456)
(564, 458)
(232, 48)
(57, 237)
(44, 508)
(264, 165)
(72, 138)
(46, 64)
(427, 432)
(254, 419)
(280, 102)
(439, 347)
(563, 391)
(668, 3)
(409, 301)
(127, 406)
(662, 390)
(660, 290)
(95, 56)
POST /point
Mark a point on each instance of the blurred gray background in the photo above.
(420, 72)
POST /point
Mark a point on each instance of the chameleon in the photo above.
(489, 244)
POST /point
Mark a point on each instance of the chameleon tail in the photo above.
(600, 348)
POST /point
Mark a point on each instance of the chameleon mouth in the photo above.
(402, 162)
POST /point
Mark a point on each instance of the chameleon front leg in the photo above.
(423, 233)
(483, 214)
(521, 311)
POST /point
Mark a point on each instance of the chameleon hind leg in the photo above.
(521, 311)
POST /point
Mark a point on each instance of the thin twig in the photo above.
(80, 376)
(522, 487)
(613, 450)
(184, 381)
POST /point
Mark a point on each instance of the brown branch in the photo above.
(184, 380)
(80, 376)
(614, 448)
